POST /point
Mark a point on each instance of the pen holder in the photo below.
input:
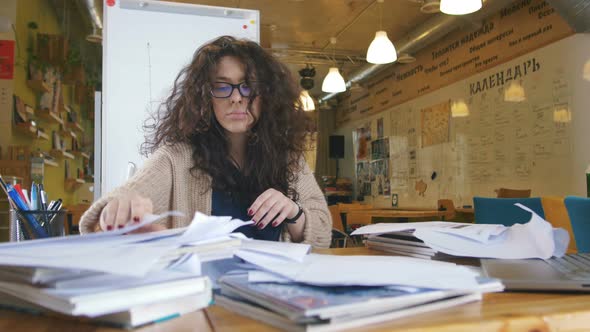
(48, 224)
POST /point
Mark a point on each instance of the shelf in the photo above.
(67, 133)
(52, 117)
(31, 131)
(38, 85)
(75, 126)
(73, 184)
(81, 154)
(61, 154)
(50, 163)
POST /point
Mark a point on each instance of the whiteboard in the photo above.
(145, 45)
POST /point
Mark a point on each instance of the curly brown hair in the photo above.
(276, 142)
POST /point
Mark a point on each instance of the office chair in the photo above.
(578, 209)
(503, 211)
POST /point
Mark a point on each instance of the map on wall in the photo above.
(435, 124)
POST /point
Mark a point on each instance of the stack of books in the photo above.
(125, 281)
(130, 303)
(404, 244)
(301, 307)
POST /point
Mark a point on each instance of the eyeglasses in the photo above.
(225, 90)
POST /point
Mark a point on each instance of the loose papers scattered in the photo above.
(535, 239)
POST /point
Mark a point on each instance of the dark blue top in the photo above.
(224, 204)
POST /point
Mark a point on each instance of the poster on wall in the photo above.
(435, 124)
(361, 138)
(363, 180)
(380, 177)
(380, 148)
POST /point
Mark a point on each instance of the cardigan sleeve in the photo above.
(153, 180)
(317, 230)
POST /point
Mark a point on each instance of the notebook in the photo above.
(568, 273)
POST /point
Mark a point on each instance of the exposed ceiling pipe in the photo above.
(575, 12)
(428, 32)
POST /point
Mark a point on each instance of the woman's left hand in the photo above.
(270, 204)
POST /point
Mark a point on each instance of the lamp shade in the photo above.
(381, 49)
(306, 101)
(562, 114)
(459, 7)
(333, 82)
(514, 93)
(459, 109)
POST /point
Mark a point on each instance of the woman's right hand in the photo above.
(128, 207)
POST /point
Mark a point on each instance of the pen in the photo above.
(34, 201)
(36, 229)
(3, 185)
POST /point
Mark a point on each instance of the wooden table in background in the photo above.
(499, 312)
(365, 216)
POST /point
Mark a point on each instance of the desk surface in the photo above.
(504, 312)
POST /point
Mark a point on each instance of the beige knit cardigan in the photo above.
(166, 179)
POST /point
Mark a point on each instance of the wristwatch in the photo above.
(294, 219)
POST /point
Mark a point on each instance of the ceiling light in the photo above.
(459, 7)
(459, 109)
(334, 82)
(405, 58)
(381, 49)
(306, 101)
(562, 114)
(514, 92)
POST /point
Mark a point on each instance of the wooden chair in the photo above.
(556, 214)
(513, 193)
(339, 236)
(447, 206)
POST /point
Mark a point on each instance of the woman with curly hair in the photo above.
(228, 141)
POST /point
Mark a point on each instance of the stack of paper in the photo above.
(535, 239)
(325, 292)
(131, 280)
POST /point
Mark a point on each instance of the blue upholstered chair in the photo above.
(578, 209)
(503, 211)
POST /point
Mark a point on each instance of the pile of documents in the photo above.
(311, 292)
(129, 280)
(437, 239)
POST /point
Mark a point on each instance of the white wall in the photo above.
(554, 158)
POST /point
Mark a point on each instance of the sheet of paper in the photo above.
(113, 252)
(288, 250)
(331, 270)
(535, 239)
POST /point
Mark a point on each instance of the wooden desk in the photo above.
(499, 312)
(356, 217)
